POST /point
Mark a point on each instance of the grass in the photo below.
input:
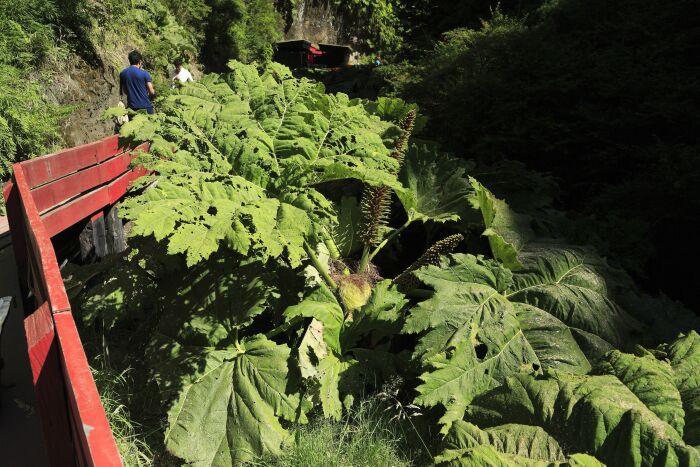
(115, 391)
(369, 435)
(366, 437)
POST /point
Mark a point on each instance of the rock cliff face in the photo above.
(319, 21)
(90, 87)
(90, 90)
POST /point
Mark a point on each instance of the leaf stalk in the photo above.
(330, 244)
(392, 236)
(322, 270)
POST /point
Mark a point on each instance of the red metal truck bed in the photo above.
(46, 196)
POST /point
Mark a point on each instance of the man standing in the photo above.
(181, 74)
(137, 84)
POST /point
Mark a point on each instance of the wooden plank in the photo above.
(58, 192)
(70, 213)
(95, 435)
(116, 237)
(53, 166)
(86, 242)
(93, 239)
(99, 236)
(48, 385)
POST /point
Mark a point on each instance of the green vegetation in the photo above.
(42, 40)
(241, 30)
(28, 121)
(604, 96)
(318, 280)
(367, 435)
(378, 20)
(301, 252)
(115, 391)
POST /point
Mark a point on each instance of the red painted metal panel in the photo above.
(40, 242)
(53, 166)
(39, 331)
(75, 426)
(95, 436)
(50, 394)
(57, 192)
(63, 217)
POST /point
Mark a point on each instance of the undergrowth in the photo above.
(115, 390)
(369, 435)
(373, 433)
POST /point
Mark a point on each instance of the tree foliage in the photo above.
(243, 30)
(28, 121)
(603, 96)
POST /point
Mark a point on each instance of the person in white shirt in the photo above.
(180, 74)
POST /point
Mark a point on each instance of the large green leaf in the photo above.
(471, 341)
(338, 355)
(198, 419)
(230, 295)
(527, 444)
(331, 371)
(572, 284)
(552, 340)
(651, 380)
(322, 305)
(592, 346)
(507, 231)
(473, 337)
(565, 283)
(227, 410)
(483, 455)
(278, 228)
(312, 349)
(684, 355)
(379, 317)
(296, 127)
(593, 414)
(438, 188)
(454, 378)
(280, 137)
(196, 212)
(347, 234)
(322, 370)
(392, 109)
(469, 313)
(466, 299)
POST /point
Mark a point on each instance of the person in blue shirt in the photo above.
(137, 84)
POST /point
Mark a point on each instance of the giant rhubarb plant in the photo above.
(278, 205)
